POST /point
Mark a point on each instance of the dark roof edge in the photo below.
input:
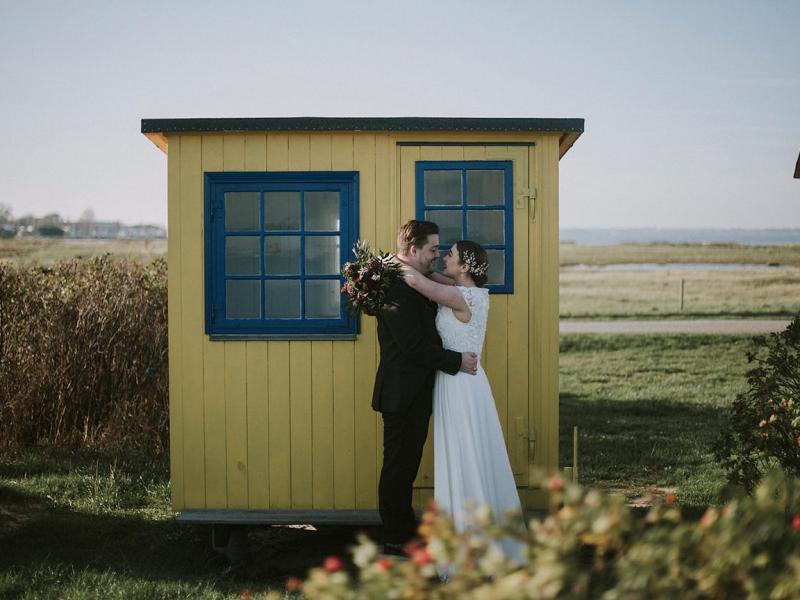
(361, 124)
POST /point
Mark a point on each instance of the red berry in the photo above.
(420, 557)
(796, 521)
(384, 564)
(333, 564)
(708, 518)
(412, 546)
(293, 584)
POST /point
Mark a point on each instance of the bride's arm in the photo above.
(442, 278)
(444, 294)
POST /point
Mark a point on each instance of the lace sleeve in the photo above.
(469, 296)
(476, 298)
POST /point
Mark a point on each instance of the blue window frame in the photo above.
(274, 247)
(472, 200)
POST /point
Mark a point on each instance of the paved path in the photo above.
(752, 326)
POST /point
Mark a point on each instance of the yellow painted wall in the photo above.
(288, 424)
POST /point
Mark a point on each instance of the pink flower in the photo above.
(293, 584)
(420, 557)
(555, 484)
(708, 518)
(333, 564)
(384, 564)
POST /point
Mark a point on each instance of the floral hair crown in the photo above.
(475, 268)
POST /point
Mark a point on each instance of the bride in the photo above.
(471, 465)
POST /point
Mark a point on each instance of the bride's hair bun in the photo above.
(475, 257)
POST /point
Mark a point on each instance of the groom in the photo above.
(411, 353)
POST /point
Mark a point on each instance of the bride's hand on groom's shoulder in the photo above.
(410, 275)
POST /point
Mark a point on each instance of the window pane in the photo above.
(282, 299)
(322, 211)
(282, 211)
(322, 299)
(242, 300)
(449, 222)
(322, 255)
(442, 187)
(282, 255)
(485, 187)
(241, 211)
(497, 266)
(242, 255)
(485, 226)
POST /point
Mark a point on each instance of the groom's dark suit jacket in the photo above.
(411, 350)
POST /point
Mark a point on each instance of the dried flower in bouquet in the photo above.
(368, 278)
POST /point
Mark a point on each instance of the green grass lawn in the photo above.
(46, 251)
(573, 254)
(98, 525)
(596, 293)
(649, 409)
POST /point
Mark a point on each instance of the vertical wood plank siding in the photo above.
(366, 159)
(300, 368)
(322, 433)
(278, 424)
(255, 159)
(214, 374)
(518, 344)
(344, 481)
(191, 321)
(174, 337)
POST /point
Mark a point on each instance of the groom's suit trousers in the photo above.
(404, 436)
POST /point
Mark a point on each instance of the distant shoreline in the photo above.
(603, 236)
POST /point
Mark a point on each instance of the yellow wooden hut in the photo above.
(270, 377)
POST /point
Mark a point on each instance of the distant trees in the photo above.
(7, 229)
(85, 224)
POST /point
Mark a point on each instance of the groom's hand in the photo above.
(469, 362)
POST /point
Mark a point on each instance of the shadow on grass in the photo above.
(45, 541)
(633, 446)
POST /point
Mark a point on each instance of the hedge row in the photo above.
(590, 546)
(83, 354)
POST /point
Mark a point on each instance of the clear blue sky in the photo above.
(692, 108)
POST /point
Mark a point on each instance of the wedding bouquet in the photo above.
(368, 278)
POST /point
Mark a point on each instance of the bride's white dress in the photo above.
(471, 465)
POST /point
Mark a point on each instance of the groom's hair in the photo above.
(414, 233)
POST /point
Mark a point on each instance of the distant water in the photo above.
(606, 237)
(672, 267)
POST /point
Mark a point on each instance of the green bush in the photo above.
(83, 354)
(763, 429)
(592, 545)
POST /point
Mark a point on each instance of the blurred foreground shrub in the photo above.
(591, 545)
(763, 429)
(83, 354)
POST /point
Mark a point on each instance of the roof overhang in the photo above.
(157, 130)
